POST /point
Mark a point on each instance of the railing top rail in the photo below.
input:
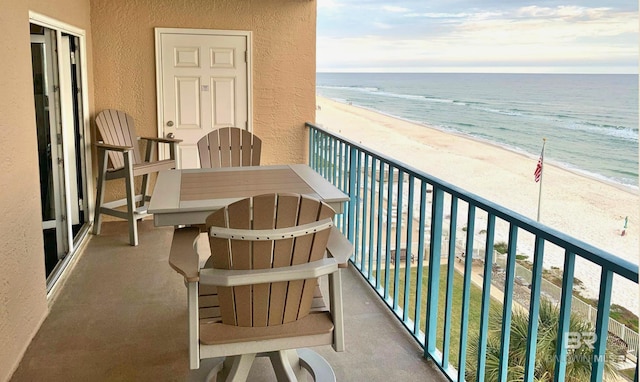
(598, 256)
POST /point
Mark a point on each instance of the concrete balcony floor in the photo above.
(121, 316)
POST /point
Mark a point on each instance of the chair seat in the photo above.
(316, 323)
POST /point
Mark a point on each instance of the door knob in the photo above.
(170, 123)
(170, 135)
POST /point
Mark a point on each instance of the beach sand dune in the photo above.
(586, 208)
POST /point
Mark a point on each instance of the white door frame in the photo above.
(212, 32)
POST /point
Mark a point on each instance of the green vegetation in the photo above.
(578, 360)
(547, 332)
(501, 247)
(475, 303)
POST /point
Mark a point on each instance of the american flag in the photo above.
(538, 173)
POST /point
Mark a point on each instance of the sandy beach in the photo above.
(588, 209)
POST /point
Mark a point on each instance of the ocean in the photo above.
(590, 121)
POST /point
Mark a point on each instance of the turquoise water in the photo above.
(590, 121)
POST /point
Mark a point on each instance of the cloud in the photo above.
(434, 36)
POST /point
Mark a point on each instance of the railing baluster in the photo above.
(352, 194)
(372, 216)
(346, 178)
(387, 255)
(409, 250)
(421, 235)
(449, 293)
(565, 316)
(433, 281)
(365, 189)
(466, 291)
(379, 243)
(602, 323)
(356, 191)
(507, 303)
(398, 249)
(534, 309)
(486, 297)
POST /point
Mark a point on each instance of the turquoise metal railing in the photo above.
(403, 221)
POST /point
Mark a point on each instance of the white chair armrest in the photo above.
(339, 247)
(234, 277)
(183, 257)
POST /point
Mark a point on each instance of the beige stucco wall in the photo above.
(283, 62)
(23, 301)
(121, 69)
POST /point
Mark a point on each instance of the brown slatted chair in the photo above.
(258, 294)
(119, 157)
(229, 147)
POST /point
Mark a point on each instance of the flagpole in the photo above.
(544, 141)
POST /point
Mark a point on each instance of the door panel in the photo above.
(203, 85)
(223, 102)
(188, 101)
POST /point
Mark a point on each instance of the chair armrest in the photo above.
(183, 257)
(235, 277)
(162, 140)
(105, 146)
(339, 247)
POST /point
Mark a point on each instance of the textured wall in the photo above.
(283, 62)
(23, 302)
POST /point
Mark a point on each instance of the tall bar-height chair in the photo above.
(119, 158)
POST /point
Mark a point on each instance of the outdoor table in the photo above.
(187, 197)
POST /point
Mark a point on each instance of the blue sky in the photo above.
(503, 36)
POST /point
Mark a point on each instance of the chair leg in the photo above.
(131, 199)
(286, 364)
(97, 218)
(236, 368)
(144, 189)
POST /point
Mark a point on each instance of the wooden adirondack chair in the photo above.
(229, 147)
(119, 157)
(258, 293)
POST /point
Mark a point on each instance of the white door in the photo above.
(203, 84)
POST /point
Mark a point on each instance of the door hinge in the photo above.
(246, 56)
(73, 58)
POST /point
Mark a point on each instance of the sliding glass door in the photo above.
(62, 149)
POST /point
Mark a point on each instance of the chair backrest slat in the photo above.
(222, 260)
(287, 216)
(275, 303)
(263, 218)
(229, 147)
(239, 216)
(117, 128)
